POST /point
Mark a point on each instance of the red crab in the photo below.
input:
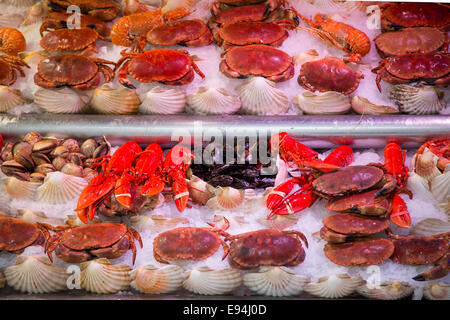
(105, 10)
(9, 65)
(267, 247)
(103, 240)
(431, 67)
(171, 67)
(12, 41)
(257, 60)
(71, 40)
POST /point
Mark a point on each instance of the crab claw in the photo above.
(400, 215)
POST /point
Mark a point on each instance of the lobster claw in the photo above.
(122, 191)
(154, 185)
(278, 193)
(298, 201)
(400, 214)
(180, 190)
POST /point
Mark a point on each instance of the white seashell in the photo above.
(155, 222)
(417, 100)
(20, 189)
(220, 221)
(10, 98)
(36, 275)
(20, 3)
(430, 226)
(149, 279)
(334, 286)
(279, 222)
(10, 20)
(437, 291)
(2, 280)
(212, 282)
(445, 206)
(425, 165)
(58, 188)
(213, 101)
(362, 105)
(390, 290)
(417, 184)
(198, 191)
(323, 103)
(169, 5)
(37, 216)
(100, 276)
(275, 282)
(226, 198)
(35, 14)
(306, 56)
(160, 100)
(440, 186)
(106, 100)
(260, 97)
(61, 100)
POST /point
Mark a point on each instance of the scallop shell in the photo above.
(20, 3)
(58, 188)
(61, 100)
(2, 280)
(275, 282)
(226, 198)
(445, 206)
(430, 226)
(390, 290)
(106, 100)
(36, 275)
(156, 222)
(206, 281)
(437, 291)
(323, 103)
(35, 14)
(440, 185)
(213, 101)
(362, 105)
(306, 56)
(259, 96)
(11, 20)
(20, 189)
(334, 286)
(152, 280)
(10, 98)
(160, 100)
(425, 165)
(417, 100)
(198, 191)
(169, 5)
(100, 276)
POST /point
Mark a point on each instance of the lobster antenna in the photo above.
(308, 21)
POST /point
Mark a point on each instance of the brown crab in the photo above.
(17, 234)
(329, 74)
(103, 240)
(73, 70)
(419, 250)
(71, 40)
(8, 67)
(189, 243)
(257, 60)
(431, 67)
(267, 247)
(105, 10)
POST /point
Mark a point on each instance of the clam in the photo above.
(440, 185)
(279, 222)
(425, 165)
(73, 169)
(155, 222)
(437, 291)
(390, 290)
(10, 98)
(213, 101)
(323, 103)
(152, 280)
(160, 100)
(88, 147)
(362, 105)
(334, 286)
(260, 97)
(306, 56)
(106, 100)
(32, 137)
(59, 188)
(430, 226)
(10, 20)
(61, 100)
(20, 189)
(275, 282)
(36, 275)
(206, 281)
(418, 100)
(100, 276)
(198, 191)
(226, 198)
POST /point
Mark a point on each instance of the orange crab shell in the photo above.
(365, 203)
(419, 250)
(354, 224)
(12, 41)
(16, 234)
(245, 33)
(68, 39)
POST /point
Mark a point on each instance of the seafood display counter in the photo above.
(225, 149)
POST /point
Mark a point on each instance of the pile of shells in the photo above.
(49, 169)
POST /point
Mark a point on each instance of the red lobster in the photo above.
(306, 159)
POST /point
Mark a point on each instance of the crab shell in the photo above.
(267, 247)
(103, 240)
(329, 74)
(105, 10)
(366, 203)
(192, 33)
(419, 250)
(409, 40)
(6, 72)
(257, 60)
(186, 243)
(68, 39)
(406, 15)
(243, 13)
(245, 33)
(359, 253)
(17, 234)
(347, 180)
